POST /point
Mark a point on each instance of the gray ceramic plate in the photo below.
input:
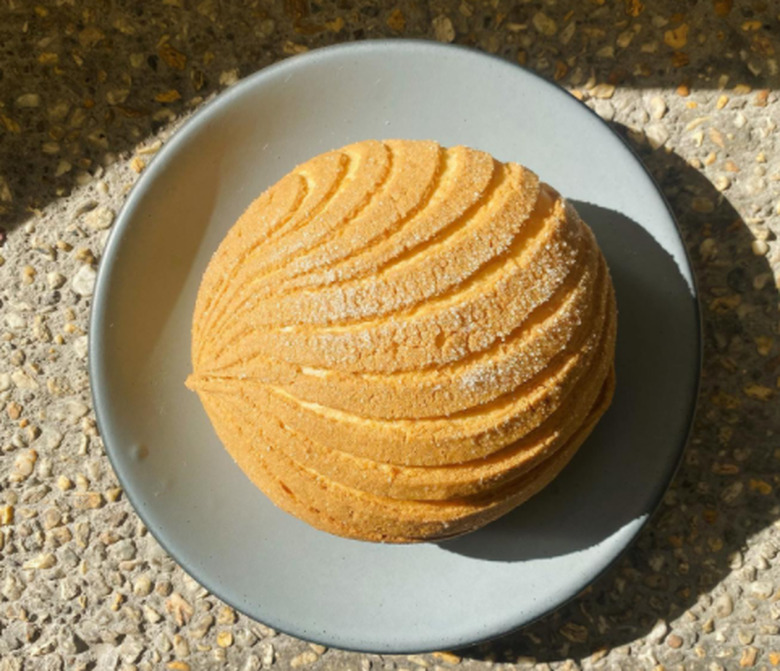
(199, 505)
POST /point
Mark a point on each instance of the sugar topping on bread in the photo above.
(401, 342)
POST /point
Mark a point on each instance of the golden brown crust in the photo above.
(355, 513)
(399, 341)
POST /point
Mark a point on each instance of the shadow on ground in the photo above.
(728, 468)
(83, 84)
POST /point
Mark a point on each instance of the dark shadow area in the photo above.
(621, 471)
(724, 491)
(83, 83)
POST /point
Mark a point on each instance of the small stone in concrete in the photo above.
(83, 282)
(100, 218)
(724, 605)
(658, 107)
(304, 659)
(69, 411)
(657, 135)
(252, 663)
(748, 658)
(762, 589)
(759, 247)
(604, 109)
(142, 585)
(658, 632)
(28, 100)
(544, 24)
(443, 29)
(224, 639)
(81, 346)
(674, 641)
(55, 280)
(200, 625)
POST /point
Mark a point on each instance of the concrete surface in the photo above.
(88, 93)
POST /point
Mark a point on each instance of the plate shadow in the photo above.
(594, 496)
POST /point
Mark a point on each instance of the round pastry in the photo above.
(400, 342)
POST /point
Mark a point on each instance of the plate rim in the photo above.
(180, 137)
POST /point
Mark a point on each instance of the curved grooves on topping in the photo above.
(263, 236)
(473, 433)
(525, 352)
(303, 226)
(403, 342)
(429, 519)
(309, 265)
(470, 182)
(351, 306)
(441, 314)
(220, 281)
(531, 238)
(483, 202)
(288, 252)
(465, 479)
(296, 213)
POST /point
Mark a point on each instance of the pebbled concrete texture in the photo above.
(90, 91)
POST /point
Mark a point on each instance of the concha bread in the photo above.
(399, 342)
